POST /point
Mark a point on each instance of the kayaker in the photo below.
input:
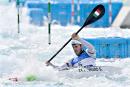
(84, 57)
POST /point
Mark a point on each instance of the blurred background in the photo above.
(74, 12)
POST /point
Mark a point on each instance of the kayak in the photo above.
(82, 72)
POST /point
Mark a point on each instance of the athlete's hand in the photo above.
(48, 63)
(75, 36)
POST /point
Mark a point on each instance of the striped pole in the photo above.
(49, 21)
(72, 13)
(78, 9)
(18, 15)
(110, 12)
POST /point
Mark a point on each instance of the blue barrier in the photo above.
(36, 16)
(35, 4)
(114, 47)
(61, 12)
(63, 15)
(128, 47)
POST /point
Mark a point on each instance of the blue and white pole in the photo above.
(78, 9)
(72, 12)
(49, 21)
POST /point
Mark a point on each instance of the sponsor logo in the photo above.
(89, 68)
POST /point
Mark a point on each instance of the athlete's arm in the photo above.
(89, 46)
(66, 66)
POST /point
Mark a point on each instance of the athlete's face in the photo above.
(77, 48)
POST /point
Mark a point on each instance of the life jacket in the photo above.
(83, 59)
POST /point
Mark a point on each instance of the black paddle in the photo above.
(96, 14)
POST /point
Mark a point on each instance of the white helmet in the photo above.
(74, 42)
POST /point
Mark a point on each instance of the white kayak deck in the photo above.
(81, 72)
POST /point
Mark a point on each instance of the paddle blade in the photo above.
(96, 14)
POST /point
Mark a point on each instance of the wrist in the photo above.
(77, 38)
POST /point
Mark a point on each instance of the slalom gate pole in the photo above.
(18, 15)
(49, 23)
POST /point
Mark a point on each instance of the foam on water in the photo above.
(25, 53)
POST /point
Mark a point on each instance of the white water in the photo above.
(25, 53)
